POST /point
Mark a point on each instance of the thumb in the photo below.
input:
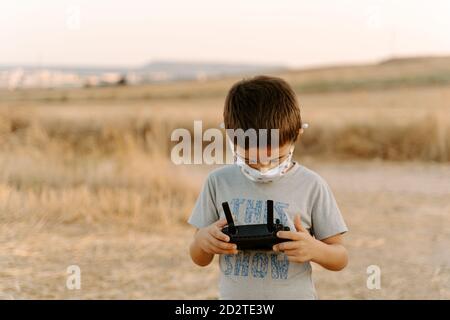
(298, 224)
(221, 223)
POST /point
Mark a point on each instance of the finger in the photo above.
(223, 245)
(288, 235)
(291, 252)
(218, 250)
(222, 251)
(216, 233)
(294, 255)
(288, 245)
(298, 224)
(208, 248)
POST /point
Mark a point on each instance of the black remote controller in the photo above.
(254, 236)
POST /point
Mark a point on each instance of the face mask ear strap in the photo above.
(292, 148)
(231, 144)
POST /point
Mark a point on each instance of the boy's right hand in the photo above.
(212, 240)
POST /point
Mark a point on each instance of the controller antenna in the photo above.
(270, 225)
(227, 211)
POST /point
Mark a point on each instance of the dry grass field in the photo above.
(86, 179)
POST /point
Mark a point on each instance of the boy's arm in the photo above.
(329, 253)
(199, 256)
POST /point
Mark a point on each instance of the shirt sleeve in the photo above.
(205, 210)
(326, 217)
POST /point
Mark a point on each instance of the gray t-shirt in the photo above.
(254, 274)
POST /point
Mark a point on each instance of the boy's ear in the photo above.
(300, 132)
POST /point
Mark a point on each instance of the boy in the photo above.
(302, 200)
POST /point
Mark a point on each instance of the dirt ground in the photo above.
(398, 215)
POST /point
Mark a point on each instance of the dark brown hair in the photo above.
(263, 102)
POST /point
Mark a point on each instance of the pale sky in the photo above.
(288, 32)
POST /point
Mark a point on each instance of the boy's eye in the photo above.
(271, 161)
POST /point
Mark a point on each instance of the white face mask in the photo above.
(268, 175)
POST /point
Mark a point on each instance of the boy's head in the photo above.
(264, 102)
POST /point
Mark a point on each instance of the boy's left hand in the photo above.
(302, 247)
